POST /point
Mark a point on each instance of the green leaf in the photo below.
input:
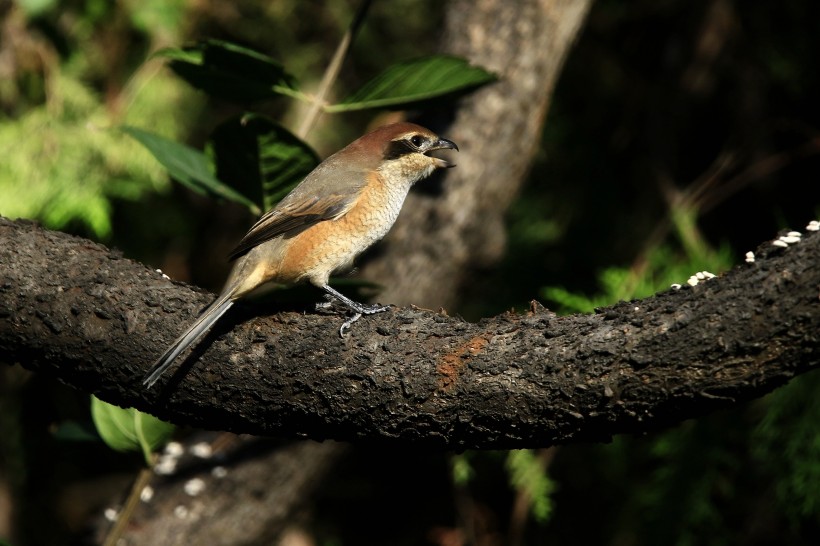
(255, 151)
(189, 166)
(230, 71)
(129, 429)
(416, 81)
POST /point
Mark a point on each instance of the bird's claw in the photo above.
(346, 324)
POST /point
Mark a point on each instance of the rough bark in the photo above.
(441, 236)
(251, 501)
(79, 312)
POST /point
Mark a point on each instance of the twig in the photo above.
(124, 516)
(332, 71)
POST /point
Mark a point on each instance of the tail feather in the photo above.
(198, 329)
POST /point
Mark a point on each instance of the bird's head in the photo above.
(402, 151)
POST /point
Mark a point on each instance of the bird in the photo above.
(342, 207)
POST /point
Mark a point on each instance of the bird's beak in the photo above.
(443, 144)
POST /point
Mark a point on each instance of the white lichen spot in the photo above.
(164, 276)
(147, 493)
(794, 234)
(194, 486)
(174, 449)
(111, 514)
(699, 276)
(781, 244)
(814, 225)
(676, 286)
(637, 308)
(166, 465)
(219, 472)
(203, 450)
(789, 240)
(181, 511)
(750, 257)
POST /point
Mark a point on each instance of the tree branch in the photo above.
(81, 313)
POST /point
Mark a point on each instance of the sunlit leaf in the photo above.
(416, 81)
(230, 71)
(189, 166)
(255, 151)
(129, 429)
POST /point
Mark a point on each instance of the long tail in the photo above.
(190, 336)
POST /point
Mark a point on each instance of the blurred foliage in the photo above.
(681, 135)
(658, 269)
(527, 474)
(461, 469)
(786, 442)
(64, 166)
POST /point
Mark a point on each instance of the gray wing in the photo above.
(326, 193)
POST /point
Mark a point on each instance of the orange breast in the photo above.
(314, 254)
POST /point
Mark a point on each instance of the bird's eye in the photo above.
(416, 140)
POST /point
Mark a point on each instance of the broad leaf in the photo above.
(189, 166)
(129, 429)
(416, 81)
(255, 151)
(230, 71)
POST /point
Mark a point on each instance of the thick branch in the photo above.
(81, 313)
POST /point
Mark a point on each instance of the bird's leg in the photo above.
(358, 309)
(355, 306)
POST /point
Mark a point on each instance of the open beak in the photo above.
(443, 144)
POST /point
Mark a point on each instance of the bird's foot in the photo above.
(358, 312)
(334, 297)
